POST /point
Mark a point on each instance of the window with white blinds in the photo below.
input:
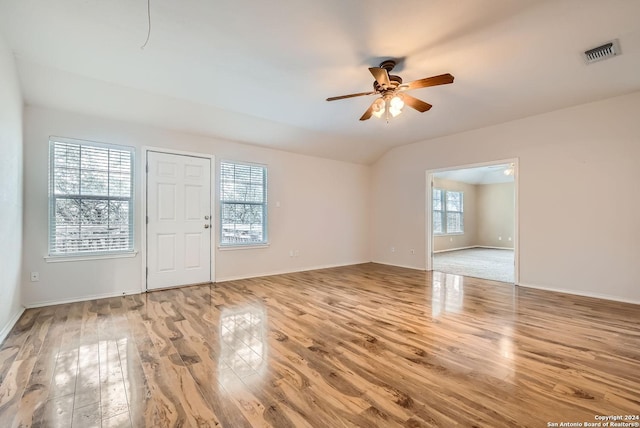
(243, 204)
(90, 198)
(448, 212)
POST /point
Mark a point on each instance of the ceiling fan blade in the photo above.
(341, 97)
(367, 114)
(381, 76)
(415, 103)
(442, 79)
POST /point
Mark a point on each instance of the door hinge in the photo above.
(146, 167)
(147, 272)
(147, 219)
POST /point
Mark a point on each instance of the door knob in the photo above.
(206, 226)
(206, 217)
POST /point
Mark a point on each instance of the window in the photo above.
(90, 198)
(243, 204)
(448, 212)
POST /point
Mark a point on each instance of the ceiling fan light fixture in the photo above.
(396, 103)
(394, 106)
(378, 108)
(509, 170)
(390, 89)
(394, 111)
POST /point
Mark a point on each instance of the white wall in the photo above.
(323, 212)
(580, 164)
(579, 204)
(10, 191)
(495, 214)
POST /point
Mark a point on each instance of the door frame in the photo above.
(429, 211)
(143, 210)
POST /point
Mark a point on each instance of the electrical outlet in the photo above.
(412, 251)
(35, 276)
(290, 253)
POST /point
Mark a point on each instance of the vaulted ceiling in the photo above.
(259, 72)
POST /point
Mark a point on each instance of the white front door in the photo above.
(178, 220)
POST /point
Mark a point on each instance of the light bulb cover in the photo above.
(396, 102)
(378, 107)
(394, 111)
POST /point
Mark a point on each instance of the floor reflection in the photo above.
(243, 345)
(447, 293)
(504, 366)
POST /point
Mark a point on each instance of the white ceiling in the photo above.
(259, 72)
(491, 174)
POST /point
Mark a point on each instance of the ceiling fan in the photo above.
(392, 91)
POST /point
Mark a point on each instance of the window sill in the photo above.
(448, 234)
(242, 247)
(82, 258)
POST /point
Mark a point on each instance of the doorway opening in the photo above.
(472, 220)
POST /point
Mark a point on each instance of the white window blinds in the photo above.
(437, 211)
(243, 204)
(454, 212)
(90, 198)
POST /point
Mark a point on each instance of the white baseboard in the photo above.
(471, 247)
(224, 279)
(283, 272)
(7, 328)
(81, 298)
(400, 266)
(582, 293)
(455, 249)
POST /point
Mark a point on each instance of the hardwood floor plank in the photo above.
(12, 388)
(207, 377)
(161, 407)
(163, 332)
(37, 389)
(119, 421)
(58, 412)
(88, 416)
(357, 346)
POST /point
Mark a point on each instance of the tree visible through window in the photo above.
(243, 204)
(448, 212)
(90, 197)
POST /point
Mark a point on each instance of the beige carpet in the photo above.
(485, 263)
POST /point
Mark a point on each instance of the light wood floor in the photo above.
(365, 345)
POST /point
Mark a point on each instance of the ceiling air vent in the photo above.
(605, 51)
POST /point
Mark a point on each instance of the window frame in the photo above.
(265, 237)
(438, 213)
(52, 197)
(443, 213)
